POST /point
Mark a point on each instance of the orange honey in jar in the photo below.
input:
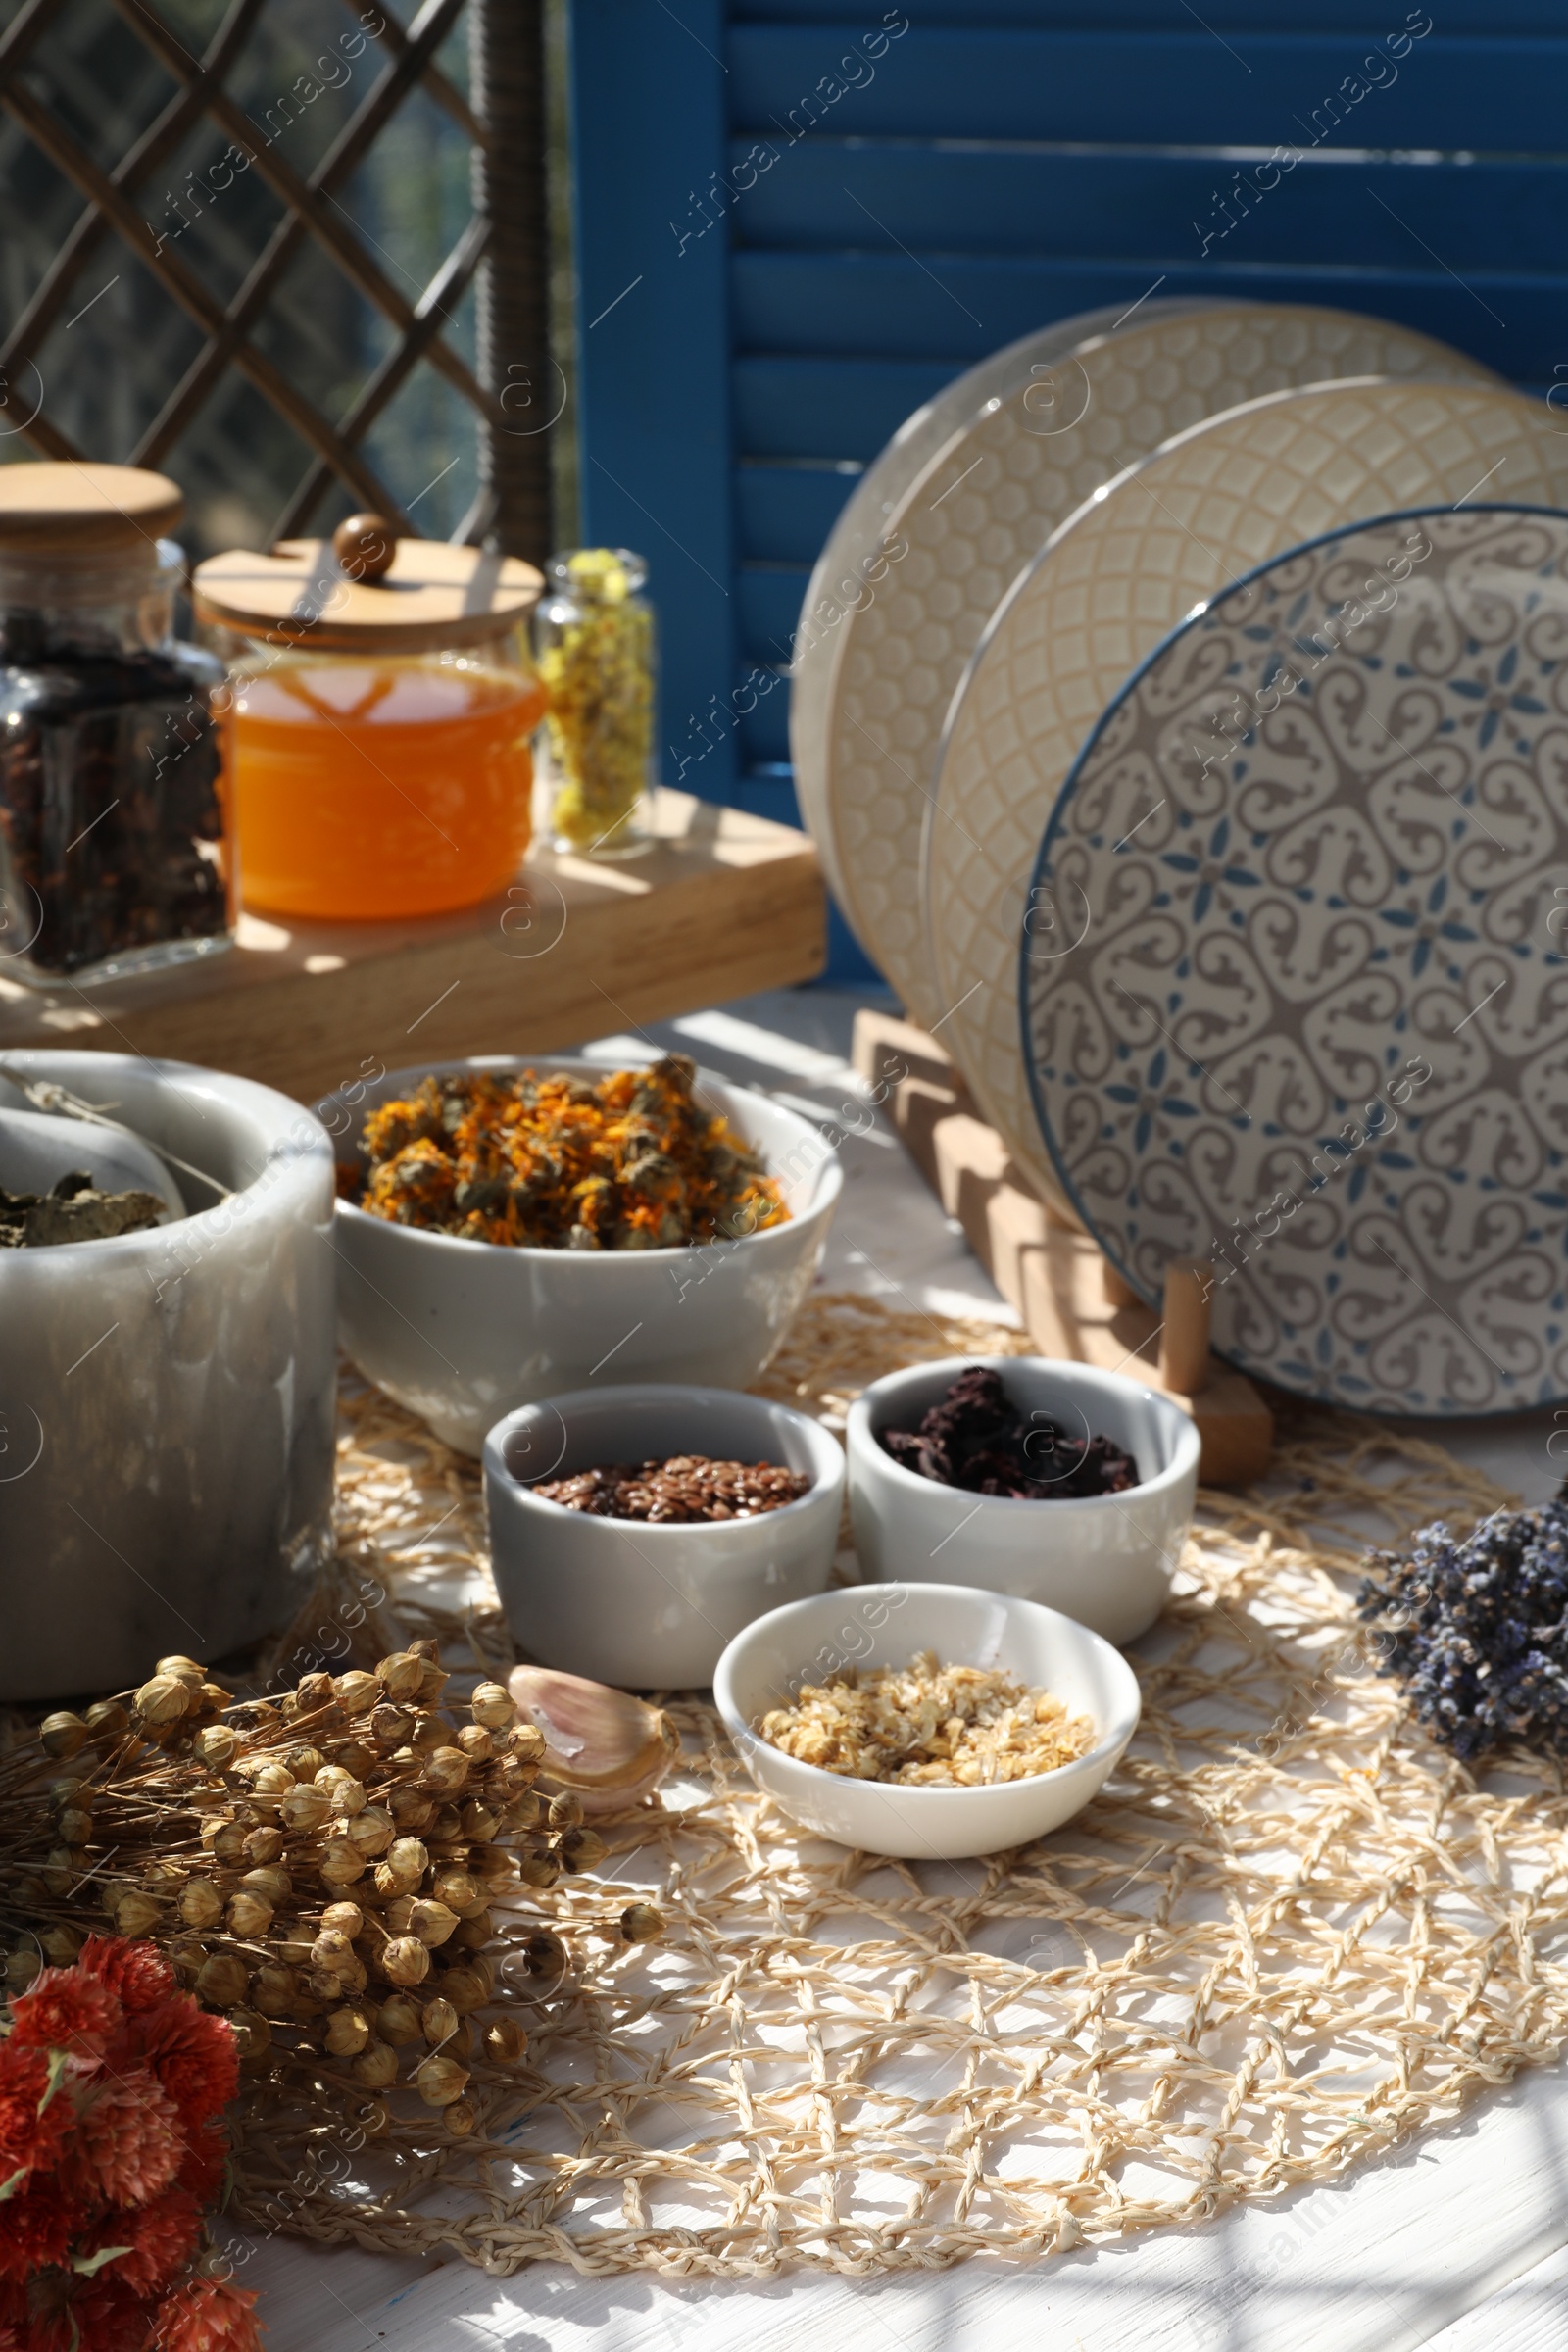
(382, 726)
(381, 788)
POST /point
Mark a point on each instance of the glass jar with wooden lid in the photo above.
(384, 709)
(114, 792)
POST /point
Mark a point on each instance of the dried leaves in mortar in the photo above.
(321, 1868)
(74, 1212)
(1477, 1630)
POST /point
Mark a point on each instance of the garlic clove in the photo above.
(606, 1746)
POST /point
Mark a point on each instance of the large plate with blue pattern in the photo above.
(1295, 966)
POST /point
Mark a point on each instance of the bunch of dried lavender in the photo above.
(1477, 1630)
(320, 1867)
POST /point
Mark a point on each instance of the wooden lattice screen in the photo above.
(290, 255)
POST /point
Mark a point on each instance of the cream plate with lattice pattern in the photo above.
(854, 560)
(1113, 581)
(977, 515)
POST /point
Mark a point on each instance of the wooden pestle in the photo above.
(1184, 1339)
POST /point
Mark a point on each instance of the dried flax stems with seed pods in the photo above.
(320, 1867)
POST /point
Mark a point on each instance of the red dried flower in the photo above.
(137, 1973)
(13, 2316)
(109, 2077)
(47, 2328)
(204, 2162)
(129, 2136)
(33, 2127)
(64, 2010)
(108, 2316)
(193, 2055)
(51, 2331)
(207, 2315)
(158, 2239)
(36, 2228)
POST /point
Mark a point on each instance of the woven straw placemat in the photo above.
(1289, 1932)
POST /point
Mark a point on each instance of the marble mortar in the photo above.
(167, 1398)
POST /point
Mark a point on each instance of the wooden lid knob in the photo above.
(364, 546)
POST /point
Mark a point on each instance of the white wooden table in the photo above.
(1459, 2243)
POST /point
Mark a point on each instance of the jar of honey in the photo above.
(384, 709)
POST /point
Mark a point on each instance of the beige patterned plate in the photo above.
(1113, 581)
(980, 511)
(854, 562)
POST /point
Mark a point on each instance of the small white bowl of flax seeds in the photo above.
(634, 1530)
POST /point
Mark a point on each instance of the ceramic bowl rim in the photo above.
(493, 1457)
(830, 1176)
(1112, 1741)
(1188, 1448)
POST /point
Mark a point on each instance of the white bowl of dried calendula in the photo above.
(515, 1229)
(926, 1721)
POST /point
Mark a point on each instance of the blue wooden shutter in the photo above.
(746, 348)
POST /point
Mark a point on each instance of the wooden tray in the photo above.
(723, 904)
(1074, 1305)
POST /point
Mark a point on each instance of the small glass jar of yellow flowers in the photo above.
(594, 641)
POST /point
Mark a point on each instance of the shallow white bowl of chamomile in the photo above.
(889, 1625)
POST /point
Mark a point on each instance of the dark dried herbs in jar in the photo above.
(111, 809)
(684, 1488)
(977, 1439)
